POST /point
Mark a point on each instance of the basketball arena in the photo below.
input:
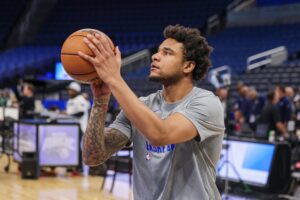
(149, 100)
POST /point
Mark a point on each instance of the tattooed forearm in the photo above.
(98, 144)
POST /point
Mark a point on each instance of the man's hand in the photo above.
(107, 62)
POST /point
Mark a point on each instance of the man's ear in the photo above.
(189, 66)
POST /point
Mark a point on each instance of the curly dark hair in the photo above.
(195, 46)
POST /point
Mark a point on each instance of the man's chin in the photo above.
(154, 79)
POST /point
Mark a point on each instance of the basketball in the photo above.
(78, 68)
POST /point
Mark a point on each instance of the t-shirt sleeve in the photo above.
(206, 114)
(122, 124)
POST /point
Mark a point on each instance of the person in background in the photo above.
(290, 94)
(222, 93)
(2, 98)
(27, 103)
(289, 91)
(12, 100)
(243, 104)
(284, 105)
(78, 107)
(270, 115)
(296, 102)
(19, 88)
(256, 105)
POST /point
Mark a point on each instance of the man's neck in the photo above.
(177, 91)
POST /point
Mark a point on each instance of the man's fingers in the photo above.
(105, 47)
(92, 44)
(86, 57)
(118, 52)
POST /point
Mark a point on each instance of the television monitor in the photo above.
(247, 161)
(12, 113)
(59, 145)
(24, 139)
(60, 73)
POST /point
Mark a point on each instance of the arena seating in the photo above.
(234, 45)
(118, 19)
(27, 58)
(275, 2)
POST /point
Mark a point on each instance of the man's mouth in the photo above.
(154, 67)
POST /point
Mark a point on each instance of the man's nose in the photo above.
(155, 57)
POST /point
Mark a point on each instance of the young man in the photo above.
(270, 115)
(27, 105)
(176, 132)
(77, 106)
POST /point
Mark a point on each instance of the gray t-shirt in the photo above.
(178, 171)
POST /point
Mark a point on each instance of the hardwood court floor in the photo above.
(13, 187)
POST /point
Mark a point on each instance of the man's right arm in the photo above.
(100, 143)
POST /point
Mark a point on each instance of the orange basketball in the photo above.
(78, 68)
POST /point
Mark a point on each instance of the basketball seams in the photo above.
(82, 74)
(78, 35)
(69, 54)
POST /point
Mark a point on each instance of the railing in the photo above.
(274, 56)
(135, 61)
(240, 5)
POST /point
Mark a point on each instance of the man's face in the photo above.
(72, 93)
(167, 64)
(279, 93)
(252, 94)
(26, 91)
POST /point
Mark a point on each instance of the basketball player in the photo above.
(176, 132)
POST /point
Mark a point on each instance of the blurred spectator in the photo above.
(243, 103)
(19, 89)
(289, 91)
(239, 121)
(256, 105)
(2, 98)
(297, 107)
(12, 100)
(222, 93)
(27, 103)
(77, 105)
(270, 115)
(239, 87)
(284, 105)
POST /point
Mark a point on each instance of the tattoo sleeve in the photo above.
(100, 143)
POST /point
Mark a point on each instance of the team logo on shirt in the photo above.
(159, 149)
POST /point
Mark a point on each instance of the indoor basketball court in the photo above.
(149, 100)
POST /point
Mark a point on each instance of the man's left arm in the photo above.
(174, 129)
